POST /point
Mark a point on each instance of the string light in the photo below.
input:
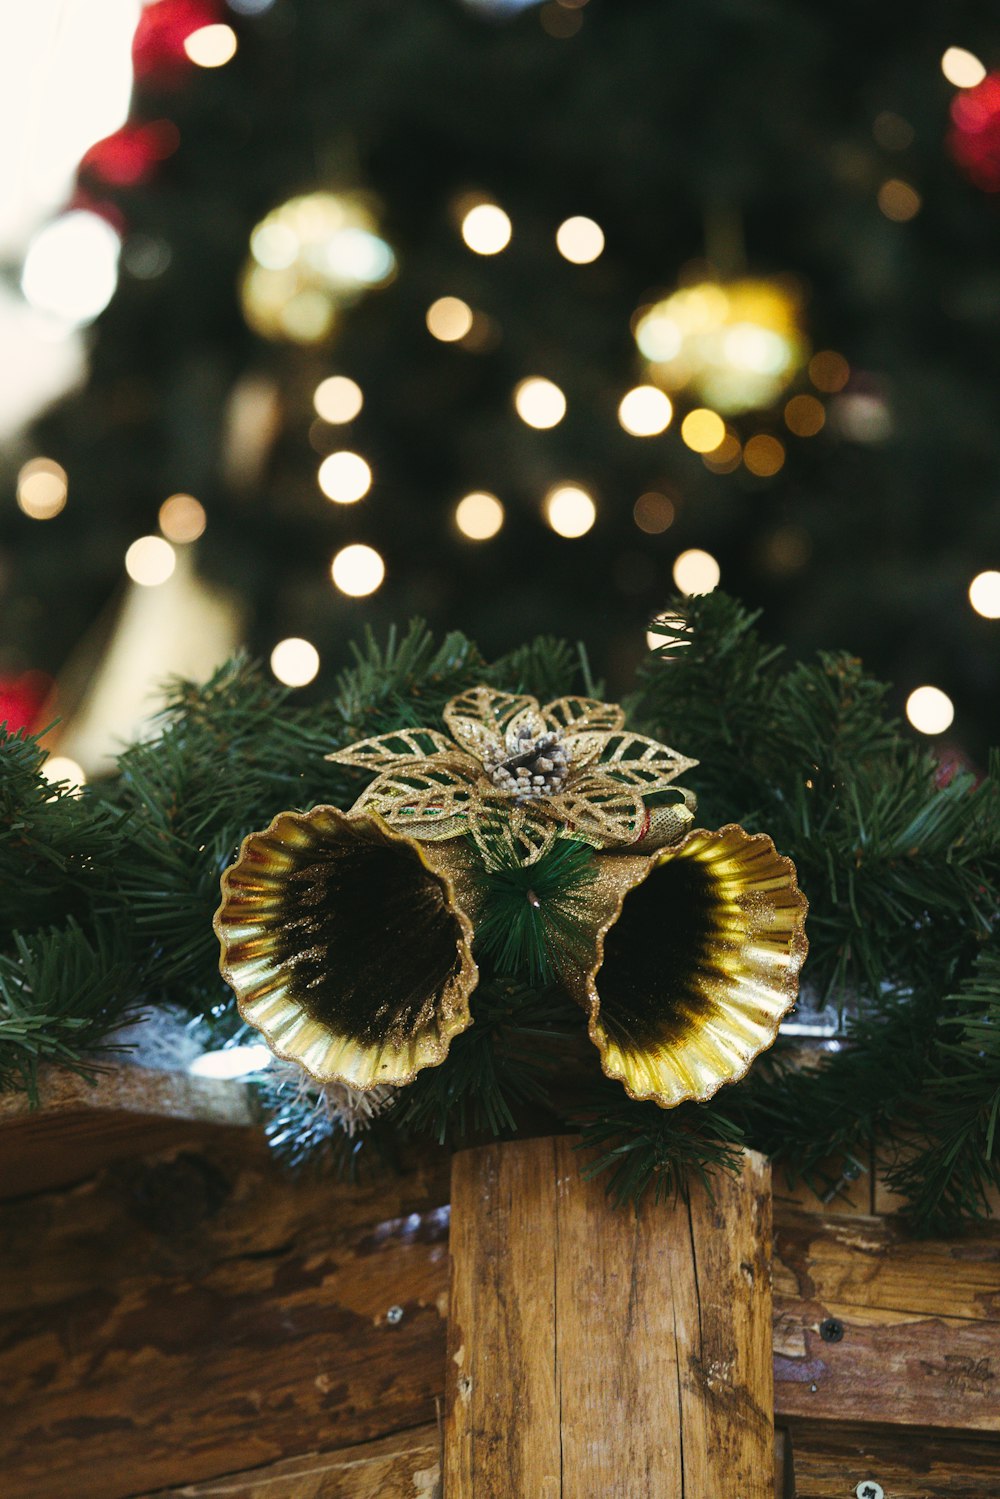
(182, 518)
(71, 268)
(659, 634)
(764, 455)
(539, 402)
(42, 488)
(930, 710)
(344, 477)
(232, 1061)
(338, 399)
(696, 571)
(486, 229)
(357, 570)
(449, 319)
(62, 768)
(725, 459)
(579, 240)
(703, 430)
(984, 594)
(829, 371)
(150, 561)
(805, 416)
(898, 200)
(479, 515)
(295, 661)
(645, 411)
(653, 513)
(962, 68)
(211, 46)
(569, 510)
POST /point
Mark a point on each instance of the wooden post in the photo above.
(594, 1351)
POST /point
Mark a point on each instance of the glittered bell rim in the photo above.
(327, 921)
(746, 943)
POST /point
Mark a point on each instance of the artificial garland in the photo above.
(420, 930)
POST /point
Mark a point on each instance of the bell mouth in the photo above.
(698, 958)
(345, 949)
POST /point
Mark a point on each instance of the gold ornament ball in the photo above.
(735, 346)
(311, 258)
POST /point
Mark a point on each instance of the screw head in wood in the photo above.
(831, 1330)
(869, 1489)
(394, 1315)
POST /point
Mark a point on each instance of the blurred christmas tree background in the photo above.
(339, 265)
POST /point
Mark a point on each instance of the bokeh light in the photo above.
(696, 571)
(42, 487)
(962, 68)
(211, 46)
(898, 200)
(725, 459)
(486, 229)
(661, 633)
(479, 515)
(295, 661)
(338, 399)
(653, 513)
(984, 594)
(71, 268)
(829, 371)
(150, 561)
(449, 319)
(805, 416)
(645, 411)
(344, 477)
(357, 570)
(62, 768)
(930, 710)
(569, 510)
(703, 430)
(764, 455)
(539, 402)
(182, 518)
(579, 240)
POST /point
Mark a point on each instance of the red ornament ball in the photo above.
(974, 140)
(130, 155)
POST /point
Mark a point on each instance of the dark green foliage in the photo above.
(532, 913)
(108, 901)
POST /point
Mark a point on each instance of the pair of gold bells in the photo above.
(348, 937)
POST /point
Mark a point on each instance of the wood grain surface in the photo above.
(831, 1462)
(593, 1352)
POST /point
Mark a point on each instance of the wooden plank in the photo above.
(833, 1462)
(404, 1466)
(912, 1334)
(600, 1352)
(79, 1126)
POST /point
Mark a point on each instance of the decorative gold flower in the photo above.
(696, 960)
(527, 775)
(345, 948)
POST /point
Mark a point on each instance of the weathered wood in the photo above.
(79, 1126)
(593, 1352)
(913, 1326)
(830, 1462)
(404, 1466)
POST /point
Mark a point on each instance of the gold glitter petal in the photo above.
(481, 716)
(392, 750)
(578, 714)
(697, 957)
(357, 963)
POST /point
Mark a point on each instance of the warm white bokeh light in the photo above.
(486, 229)
(71, 269)
(182, 518)
(696, 571)
(357, 570)
(479, 515)
(962, 68)
(338, 399)
(232, 1061)
(569, 510)
(539, 402)
(42, 488)
(449, 319)
(150, 561)
(703, 430)
(211, 46)
(345, 477)
(645, 411)
(579, 240)
(62, 768)
(930, 710)
(295, 661)
(984, 594)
